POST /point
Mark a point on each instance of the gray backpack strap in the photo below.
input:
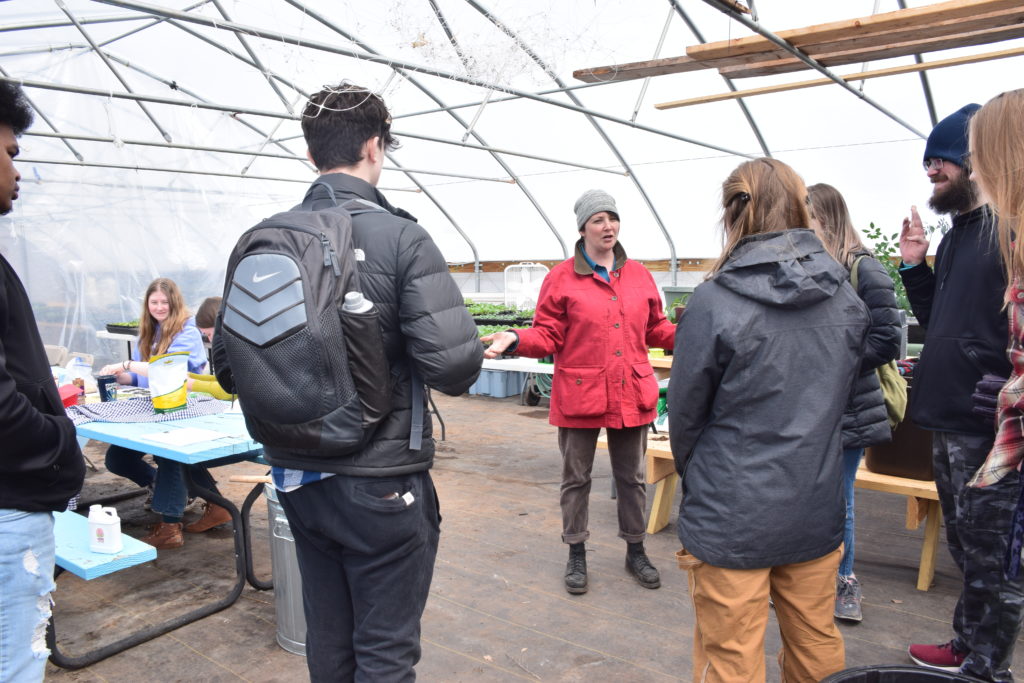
(416, 430)
(359, 205)
(307, 201)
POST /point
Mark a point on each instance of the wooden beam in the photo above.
(950, 27)
(865, 75)
(634, 70)
(919, 17)
(990, 28)
(855, 56)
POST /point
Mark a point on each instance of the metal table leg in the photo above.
(146, 634)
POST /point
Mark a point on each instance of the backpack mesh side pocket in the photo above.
(274, 372)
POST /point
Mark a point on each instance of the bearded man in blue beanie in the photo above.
(960, 305)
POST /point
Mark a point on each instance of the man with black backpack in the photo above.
(335, 315)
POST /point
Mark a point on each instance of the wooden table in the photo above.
(231, 443)
(922, 499)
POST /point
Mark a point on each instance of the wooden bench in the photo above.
(71, 536)
(922, 499)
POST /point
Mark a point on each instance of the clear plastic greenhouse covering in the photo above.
(164, 129)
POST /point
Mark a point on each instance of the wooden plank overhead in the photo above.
(915, 19)
(857, 55)
(941, 26)
(634, 70)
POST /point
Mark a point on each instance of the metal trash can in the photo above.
(896, 674)
(291, 619)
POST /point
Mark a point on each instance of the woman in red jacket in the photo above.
(597, 313)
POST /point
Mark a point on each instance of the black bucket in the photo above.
(896, 674)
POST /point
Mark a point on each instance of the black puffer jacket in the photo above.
(41, 466)
(866, 421)
(960, 305)
(766, 356)
(424, 322)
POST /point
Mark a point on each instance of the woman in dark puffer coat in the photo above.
(865, 422)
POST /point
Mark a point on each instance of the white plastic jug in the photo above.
(104, 530)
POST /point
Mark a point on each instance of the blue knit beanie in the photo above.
(948, 140)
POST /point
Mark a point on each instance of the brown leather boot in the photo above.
(165, 535)
(213, 515)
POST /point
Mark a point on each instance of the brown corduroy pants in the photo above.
(626, 449)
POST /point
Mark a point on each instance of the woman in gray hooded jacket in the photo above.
(773, 344)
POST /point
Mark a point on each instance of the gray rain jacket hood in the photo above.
(766, 355)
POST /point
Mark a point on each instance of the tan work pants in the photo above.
(731, 610)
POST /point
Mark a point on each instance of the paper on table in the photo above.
(184, 436)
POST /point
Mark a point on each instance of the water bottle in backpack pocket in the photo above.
(361, 322)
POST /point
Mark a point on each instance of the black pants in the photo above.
(366, 548)
(987, 618)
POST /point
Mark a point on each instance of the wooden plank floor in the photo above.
(497, 610)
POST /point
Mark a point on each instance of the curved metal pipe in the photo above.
(611, 145)
(728, 81)
(429, 93)
(728, 10)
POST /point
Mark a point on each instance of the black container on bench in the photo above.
(908, 455)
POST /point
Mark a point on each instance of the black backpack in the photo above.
(309, 375)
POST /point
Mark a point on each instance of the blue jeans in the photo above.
(170, 491)
(366, 556)
(26, 580)
(851, 461)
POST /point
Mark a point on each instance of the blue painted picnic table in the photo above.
(71, 536)
(230, 443)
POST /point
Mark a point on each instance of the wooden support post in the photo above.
(661, 507)
(926, 572)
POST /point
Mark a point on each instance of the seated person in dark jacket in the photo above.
(41, 466)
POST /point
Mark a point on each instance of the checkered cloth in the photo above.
(141, 410)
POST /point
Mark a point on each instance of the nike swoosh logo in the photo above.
(261, 278)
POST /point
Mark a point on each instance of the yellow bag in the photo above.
(167, 375)
(894, 387)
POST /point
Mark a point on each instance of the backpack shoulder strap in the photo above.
(854, 268)
(307, 201)
(358, 205)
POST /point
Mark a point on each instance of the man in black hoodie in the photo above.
(960, 303)
(41, 466)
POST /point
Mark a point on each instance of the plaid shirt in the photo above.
(1008, 450)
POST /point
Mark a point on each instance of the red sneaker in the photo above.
(944, 657)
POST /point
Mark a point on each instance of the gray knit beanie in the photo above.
(591, 202)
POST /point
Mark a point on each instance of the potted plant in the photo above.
(131, 327)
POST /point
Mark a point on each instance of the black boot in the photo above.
(576, 569)
(640, 567)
